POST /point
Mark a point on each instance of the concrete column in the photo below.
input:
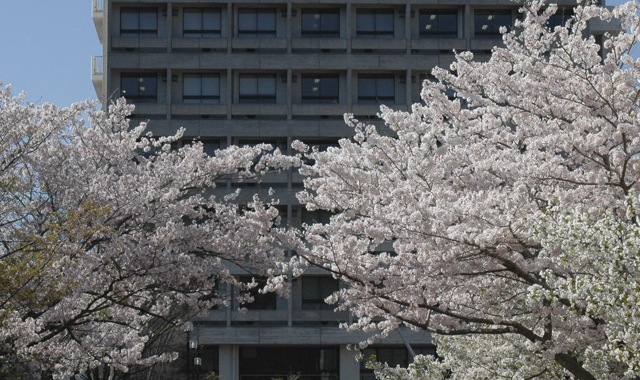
(289, 27)
(348, 25)
(228, 287)
(169, 26)
(228, 361)
(289, 81)
(467, 25)
(408, 89)
(169, 74)
(230, 26)
(230, 83)
(349, 366)
(407, 26)
(350, 94)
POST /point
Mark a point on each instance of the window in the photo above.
(266, 301)
(451, 94)
(265, 362)
(257, 22)
(393, 356)
(321, 23)
(210, 358)
(439, 23)
(257, 88)
(138, 22)
(315, 289)
(316, 216)
(376, 89)
(487, 22)
(320, 89)
(560, 18)
(374, 23)
(201, 88)
(201, 22)
(139, 88)
(210, 146)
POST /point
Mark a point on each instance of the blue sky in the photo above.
(46, 48)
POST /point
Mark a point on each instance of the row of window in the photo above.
(260, 88)
(314, 290)
(270, 362)
(321, 22)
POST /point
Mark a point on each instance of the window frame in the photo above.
(438, 32)
(368, 373)
(332, 98)
(492, 29)
(257, 97)
(376, 98)
(257, 31)
(137, 97)
(324, 30)
(377, 30)
(317, 301)
(261, 301)
(213, 98)
(202, 31)
(139, 31)
(560, 18)
(309, 361)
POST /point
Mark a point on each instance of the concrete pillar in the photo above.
(349, 366)
(228, 361)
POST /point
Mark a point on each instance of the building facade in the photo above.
(251, 71)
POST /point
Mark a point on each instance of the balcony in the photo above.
(97, 75)
(97, 13)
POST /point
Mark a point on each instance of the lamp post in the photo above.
(193, 345)
(189, 329)
(197, 361)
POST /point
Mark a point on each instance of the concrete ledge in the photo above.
(300, 335)
(199, 109)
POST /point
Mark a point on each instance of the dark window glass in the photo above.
(138, 21)
(451, 94)
(374, 23)
(487, 22)
(201, 88)
(201, 22)
(257, 22)
(265, 363)
(209, 358)
(139, 88)
(320, 89)
(266, 301)
(376, 89)
(321, 23)
(439, 23)
(257, 88)
(210, 147)
(559, 18)
(393, 356)
(315, 289)
(317, 216)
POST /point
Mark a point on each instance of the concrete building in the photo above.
(249, 71)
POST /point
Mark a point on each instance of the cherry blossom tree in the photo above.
(503, 221)
(105, 229)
